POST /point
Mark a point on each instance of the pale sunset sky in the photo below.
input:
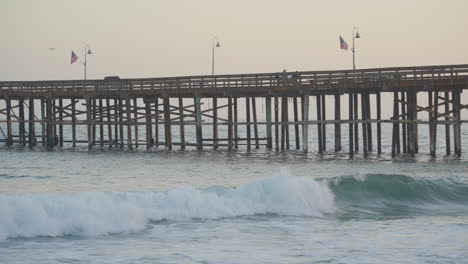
(152, 38)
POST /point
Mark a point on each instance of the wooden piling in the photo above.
(338, 123)
(121, 123)
(109, 122)
(128, 108)
(368, 122)
(73, 117)
(135, 120)
(255, 125)
(31, 119)
(198, 126)
(283, 121)
(350, 124)
(61, 122)
(324, 129)
(230, 126)
(181, 123)
(365, 147)
(148, 124)
(305, 125)
(268, 121)
(236, 132)
(247, 112)
(215, 123)
(447, 119)
(296, 124)
(319, 124)
(277, 144)
(356, 117)
(432, 149)
(22, 129)
(167, 123)
(43, 122)
(379, 124)
(456, 119)
(156, 121)
(116, 122)
(50, 135)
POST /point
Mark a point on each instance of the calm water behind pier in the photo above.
(110, 206)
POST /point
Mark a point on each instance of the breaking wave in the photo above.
(100, 213)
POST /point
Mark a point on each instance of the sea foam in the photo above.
(100, 213)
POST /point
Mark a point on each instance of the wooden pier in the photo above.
(130, 113)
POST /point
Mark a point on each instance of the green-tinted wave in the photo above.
(389, 194)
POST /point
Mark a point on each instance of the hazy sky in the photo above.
(144, 38)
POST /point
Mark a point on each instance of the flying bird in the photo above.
(51, 49)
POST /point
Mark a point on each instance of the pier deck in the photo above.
(36, 112)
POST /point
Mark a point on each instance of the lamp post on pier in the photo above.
(87, 51)
(355, 36)
(213, 54)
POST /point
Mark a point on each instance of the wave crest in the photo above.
(100, 213)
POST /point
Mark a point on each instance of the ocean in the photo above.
(74, 205)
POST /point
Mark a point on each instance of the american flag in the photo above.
(74, 58)
(343, 44)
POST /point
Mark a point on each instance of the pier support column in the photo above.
(9, 139)
(395, 129)
(181, 123)
(432, 146)
(129, 123)
(167, 123)
(379, 124)
(73, 117)
(254, 116)
(338, 123)
(31, 133)
(305, 124)
(198, 128)
(284, 106)
(43, 123)
(236, 131)
(457, 123)
(296, 124)
(365, 147)
(50, 129)
(369, 123)
(116, 122)
(156, 121)
(356, 118)
(215, 123)
(61, 122)
(268, 121)
(247, 112)
(447, 119)
(135, 120)
(230, 132)
(324, 125)
(319, 124)
(277, 144)
(405, 127)
(121, 123)
(109, 122)
(88, 122)
(22, 127)
(351, 124)
(148, 124)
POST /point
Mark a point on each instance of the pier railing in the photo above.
(423, 77)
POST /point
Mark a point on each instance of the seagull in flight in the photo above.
(51, 49)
